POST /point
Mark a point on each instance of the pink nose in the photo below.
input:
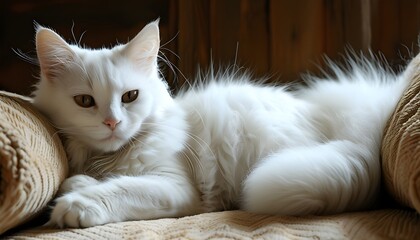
(111, 123)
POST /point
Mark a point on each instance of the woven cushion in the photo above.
(32, 161)
(383, 224)
(401, 144)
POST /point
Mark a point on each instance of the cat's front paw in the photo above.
(76, 210)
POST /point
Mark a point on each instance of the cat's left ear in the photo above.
(53, 52)
(143, 49)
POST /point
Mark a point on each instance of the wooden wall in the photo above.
(273, 38)
(283, 38)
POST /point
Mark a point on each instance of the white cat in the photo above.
(136, 152)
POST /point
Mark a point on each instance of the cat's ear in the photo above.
(53, 52)
(143, 49)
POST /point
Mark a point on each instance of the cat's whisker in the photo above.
(169, 50)
(166, 60)
(170, 40)
(25, 57)
(136, 140)
(183, 76)
(80, 38)
(168, 63)
(171, 67)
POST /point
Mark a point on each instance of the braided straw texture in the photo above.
(401, 145)
(32, 161)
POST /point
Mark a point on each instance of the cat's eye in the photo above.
(130, 96)
(85, 101)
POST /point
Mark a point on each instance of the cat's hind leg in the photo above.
(326, 178)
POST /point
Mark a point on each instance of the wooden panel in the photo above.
(395, 27)
(409, 30)
(334, 28)
(385, 24)
(219, 30)
(193, 40)
(239, 34)
(297, 36)
(357, 27)
(253, 49)
(169, 48)
(224, 30)
(409, 14)
(347, 27)
(279, 38)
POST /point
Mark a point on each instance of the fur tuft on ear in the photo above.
(53, 52)
(143, 49)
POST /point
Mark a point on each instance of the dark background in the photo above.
(273, 38)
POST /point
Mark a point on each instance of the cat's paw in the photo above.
(76, 182)
(77, 210)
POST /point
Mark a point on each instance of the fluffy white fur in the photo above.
(228, 143)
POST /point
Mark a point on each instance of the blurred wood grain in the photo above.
(279, 39)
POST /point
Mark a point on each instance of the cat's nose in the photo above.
(111, 123)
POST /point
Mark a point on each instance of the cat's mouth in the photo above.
(111, 142)
(111, 137)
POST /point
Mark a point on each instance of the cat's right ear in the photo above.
(53, 52)
(143, 49)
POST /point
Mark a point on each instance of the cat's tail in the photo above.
(323, 179)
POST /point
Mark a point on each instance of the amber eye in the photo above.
(84, 101)
(130, 96)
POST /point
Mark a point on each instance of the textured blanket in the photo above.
(383, 224)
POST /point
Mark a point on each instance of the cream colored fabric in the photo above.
(32, 161)
(401, 145)
(383, 224)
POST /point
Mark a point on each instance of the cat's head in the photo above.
(100, 97)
